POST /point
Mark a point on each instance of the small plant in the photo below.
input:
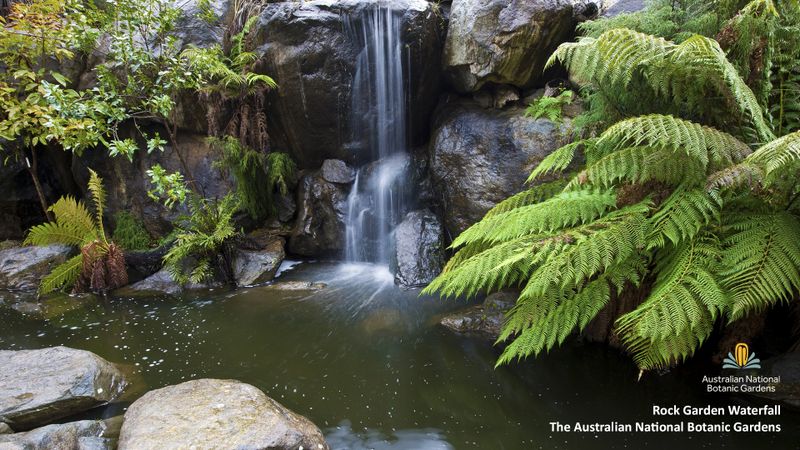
(100, 266)
(549, 108)
(203, 240)
(129, 232)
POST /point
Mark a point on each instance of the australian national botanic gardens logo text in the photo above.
(744, 377)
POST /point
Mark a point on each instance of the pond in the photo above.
(368, 364)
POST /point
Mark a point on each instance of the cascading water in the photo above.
(378, 121)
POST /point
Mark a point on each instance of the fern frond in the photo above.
(539, 324)
(591, 249)
(563, 210)
(99, 196)
(558, 161)
(535, 194)
(680, 311)
(73, 226)
(778, 153)
(64, 274)
(761, 263)
(682, 215)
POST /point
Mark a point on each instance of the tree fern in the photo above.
(682, 215)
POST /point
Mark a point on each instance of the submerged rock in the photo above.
(305, 47)
(162, 282)
(480, 157)
(485, 319)
(258, 266)
(210, 413)
(81, 435)
(507, 41)
(319, 229)
(22, 268)
(297, 286)
(39, 386)
(54, 305)
(419, 249)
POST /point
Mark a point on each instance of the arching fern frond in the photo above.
(64, 274)
(559, 160)
(99, 197)
(680, 311)
(535, 194)
(73, 225)
(563, 210)
(777, 154)
(541, 323)
(761, 264)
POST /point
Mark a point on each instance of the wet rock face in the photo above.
(215, 414)
(305, 47)
(40, 386)
(322, 207)
(337, 171)
(22, 268)
(419, 249)
(85, 434)
(507, 41)
(485, 319)
(480, 157)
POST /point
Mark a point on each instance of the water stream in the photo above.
(378, 121)
(366, 362)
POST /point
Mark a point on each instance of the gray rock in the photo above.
(319, 229)
(480, 157)
(39, 386)
(505, 95)
(305, 47)
(258, 266)
(507, 41)
(67, 436)
(53, 305)
(419, 249)
(337, 171)
(612, 8)
(485, 319)
(22, 268)
(215, 414)
(162, 282)
(5, 429)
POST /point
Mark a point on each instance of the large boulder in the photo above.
(485, 320)
(81, 435)
(215, 414)
(307, 48)
(419, 249)
(40, 386)
(482, 156)
(507, 41)
(127, 183)
(258, 266)
(22, 268)
(319, 229)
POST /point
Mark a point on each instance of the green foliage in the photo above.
(549, 108)
(130, 233)
(257, 175)
(100, 265)
(169, 188)
(694, 198)
(203, 240)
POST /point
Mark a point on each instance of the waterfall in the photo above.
(378, 124)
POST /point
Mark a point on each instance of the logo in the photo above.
(741, 358)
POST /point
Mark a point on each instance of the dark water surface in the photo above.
(366, 362)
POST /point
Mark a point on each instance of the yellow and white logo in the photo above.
(741, 358)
